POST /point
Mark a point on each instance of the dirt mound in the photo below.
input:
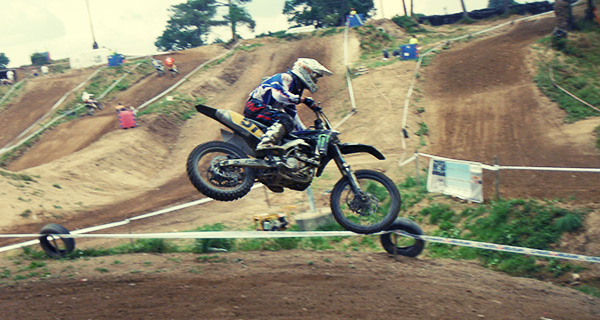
(389, 26)
(481, 103)
(477, 91)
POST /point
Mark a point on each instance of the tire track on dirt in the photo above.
(484, 104)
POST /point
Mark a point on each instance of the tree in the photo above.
(39, 58)
(465, 14)
(4, 60)
(238, 15)
(500, 3)
(188, 26)
(404, 6)
(324, 13)
(191, 22)
(589, 11)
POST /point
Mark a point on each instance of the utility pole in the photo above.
(95, 44)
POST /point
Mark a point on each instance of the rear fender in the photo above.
(349, 148)
(249, 130)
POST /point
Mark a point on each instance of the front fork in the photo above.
(346, 171)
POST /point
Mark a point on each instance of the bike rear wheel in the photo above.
(214, 181)
(373, 209)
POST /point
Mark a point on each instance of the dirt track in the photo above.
(483, 103)
(468, 98)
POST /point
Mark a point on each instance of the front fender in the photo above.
(349, 148)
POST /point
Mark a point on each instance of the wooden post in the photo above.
(497, 166)
(267, 197)
(417, 168)
(311, 199)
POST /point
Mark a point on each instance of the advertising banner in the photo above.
(456, 178)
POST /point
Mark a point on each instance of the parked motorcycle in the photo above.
(363, 201)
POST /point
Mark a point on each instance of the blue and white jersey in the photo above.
(279, 91)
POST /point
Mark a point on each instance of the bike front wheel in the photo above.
(372, 209)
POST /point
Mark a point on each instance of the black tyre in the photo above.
(405, 246)
(214, 181)
(56, 246)
(99, 105)
(373, 210)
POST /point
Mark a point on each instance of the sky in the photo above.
(130, 27)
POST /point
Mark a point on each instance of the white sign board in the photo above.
(459, 179)
(89, 58)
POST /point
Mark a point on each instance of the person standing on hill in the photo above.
(10, 76)
(273, 102)
(413, 40)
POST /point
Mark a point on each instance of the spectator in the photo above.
(352, 12)
(10, 77)
(413, 40)
(44, 70)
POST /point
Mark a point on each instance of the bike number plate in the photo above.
(246, 124)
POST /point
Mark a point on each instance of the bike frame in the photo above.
(250, 131)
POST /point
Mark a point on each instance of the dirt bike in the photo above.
(363, 201)
(92, 105)
(160, 70)
(174, 71)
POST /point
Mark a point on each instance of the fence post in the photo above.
(497, 166)
(417, 168)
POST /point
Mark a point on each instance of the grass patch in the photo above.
(177, 107)
(576, 68)
(521, 223)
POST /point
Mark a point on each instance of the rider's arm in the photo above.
(298, 125)
(281, 89)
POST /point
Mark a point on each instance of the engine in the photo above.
(295, 169)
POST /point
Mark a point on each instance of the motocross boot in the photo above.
(269, 142)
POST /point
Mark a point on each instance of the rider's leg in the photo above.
(269, 141)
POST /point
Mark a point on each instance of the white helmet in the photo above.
(309, 70)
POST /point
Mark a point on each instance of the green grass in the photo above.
(576, 68)
(179, 107)
(521, 223)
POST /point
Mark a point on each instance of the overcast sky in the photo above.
(62, 27)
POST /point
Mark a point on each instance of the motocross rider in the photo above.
(273, 102)
(88, 98)
(170, 62)
(157, 64)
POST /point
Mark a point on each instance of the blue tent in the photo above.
(355, 20)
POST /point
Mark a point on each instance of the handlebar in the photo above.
(322, 122)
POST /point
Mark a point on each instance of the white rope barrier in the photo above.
(504, 248)
(498, 167)
(10, 91)
(198, 235)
